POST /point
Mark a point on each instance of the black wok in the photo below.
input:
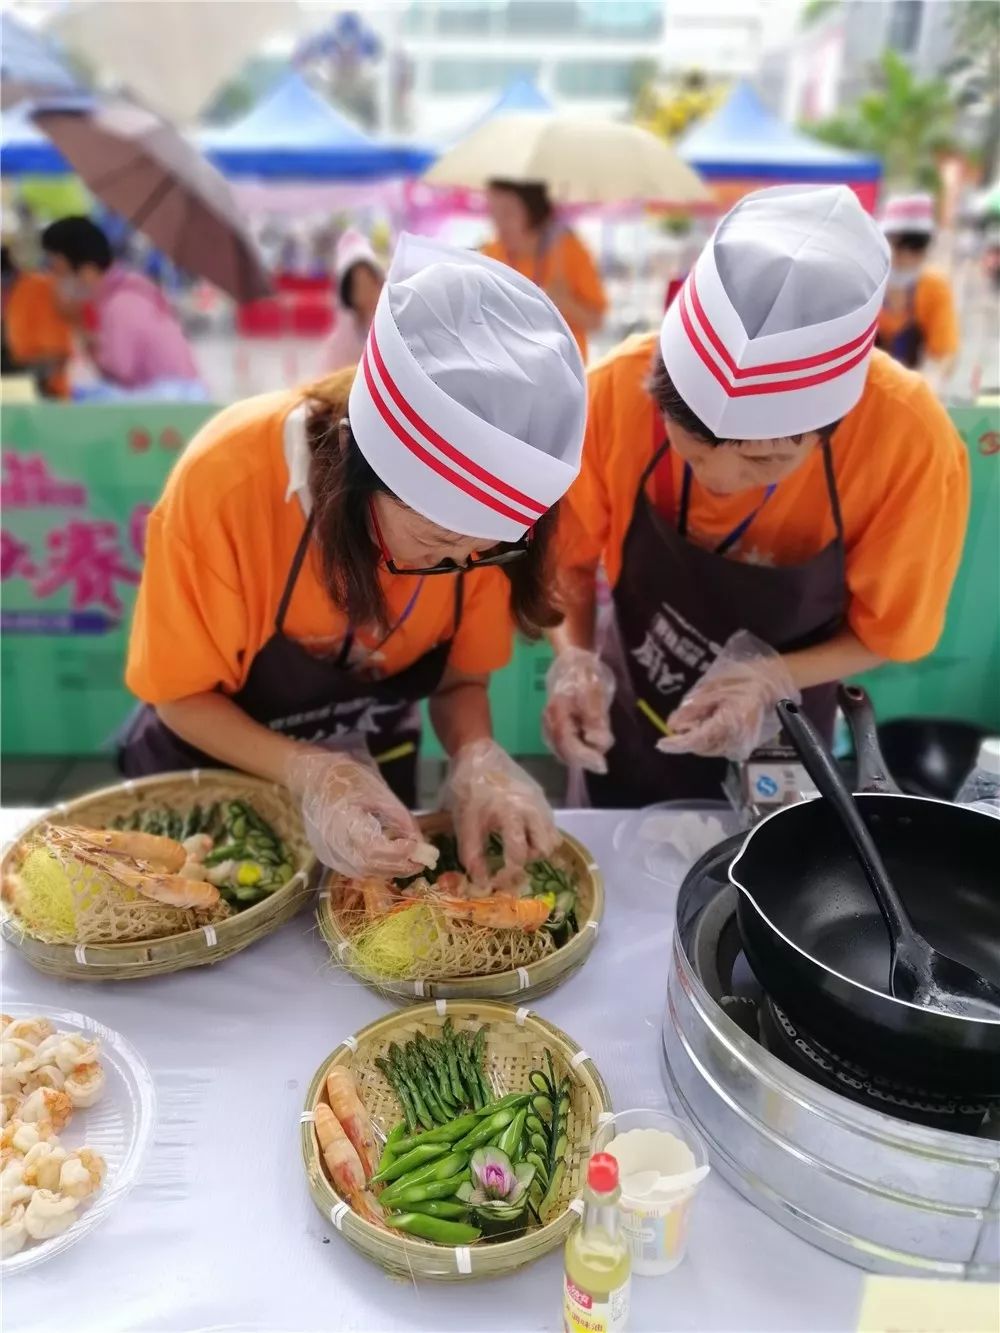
(816, 940)
(930, 756)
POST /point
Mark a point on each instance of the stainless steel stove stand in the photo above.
(871, 1189)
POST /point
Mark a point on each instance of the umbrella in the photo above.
(29, 66)
(583, 160)
(145, 170)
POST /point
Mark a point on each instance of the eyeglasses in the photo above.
(510, 552)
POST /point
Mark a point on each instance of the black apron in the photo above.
(674, 606)
(313, 699)
(907, 345)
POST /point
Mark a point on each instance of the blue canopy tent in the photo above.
(745, 144)
(24, 149)
(519, 95)
(30, 65)
(293, 134)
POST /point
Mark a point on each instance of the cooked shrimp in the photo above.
(15, 1052)
(354, 1118)
(84, 1084)
(379, 897)
(67, 1050)
(42, 1164)
(45, 1076)
(31, 1030)
(9, 1103)
(501, 911)
(174, 890)
(48, 1214)
(17, 1137)
(343, 1164)
(81, 1173)
(426, 854)
(14, 1188)
(161, 855)
(47, 1109)
(198, 846)
(12, 1232)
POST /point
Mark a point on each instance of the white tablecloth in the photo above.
(221, 1232)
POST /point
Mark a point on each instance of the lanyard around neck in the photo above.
(734, 536)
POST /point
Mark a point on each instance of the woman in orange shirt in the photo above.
(532, 240)
(319, 562)
(917, 323)
(37, 336)
(775, 507)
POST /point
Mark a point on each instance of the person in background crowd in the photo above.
(37, 339)
(359, 278)
(531, 239)
(917, 324)
(776, 507)
(323, 559)
(138, 339)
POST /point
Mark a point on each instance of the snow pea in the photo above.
(437, 1189)
(488, 1129)
(510, 1140)
(448, 1133)
(448, 1208)
(392, 1150)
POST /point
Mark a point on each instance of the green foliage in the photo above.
(906, 122)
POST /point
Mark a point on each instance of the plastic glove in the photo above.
(486, 792)
(576, 721)
(730, 712)
(354, 823)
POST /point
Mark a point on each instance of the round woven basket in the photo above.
(520, 984)
(516, 1044)
(192, 948)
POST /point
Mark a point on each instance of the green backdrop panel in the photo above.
(78, 482)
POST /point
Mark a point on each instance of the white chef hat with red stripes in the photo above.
(772, 331)
(470, 401)
(909, 212)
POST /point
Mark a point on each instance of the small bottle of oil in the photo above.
(596, 1285)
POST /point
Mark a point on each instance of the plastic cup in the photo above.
(655, 1226)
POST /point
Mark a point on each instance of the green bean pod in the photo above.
(487, 1130)
(429, 1189)
(449, 1133)
(510, 1139)
(417, 1156)
(392, 1146)
(441, 1168)
(449, 1208)
(434, 1229)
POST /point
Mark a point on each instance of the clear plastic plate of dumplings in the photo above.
(114, 1120)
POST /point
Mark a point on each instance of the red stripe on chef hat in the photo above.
(425, 454)
(701, 330)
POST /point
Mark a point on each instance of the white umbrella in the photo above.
(173, 56)
(582, 160)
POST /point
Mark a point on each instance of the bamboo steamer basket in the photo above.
(519, 984)
(516, 1042)
(192, 948)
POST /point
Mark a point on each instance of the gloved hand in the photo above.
(486, 792)
(576, 719)
(354, 823)
(730, 712)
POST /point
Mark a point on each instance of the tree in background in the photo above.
(905, 121)
(670, 109)
(974, 75)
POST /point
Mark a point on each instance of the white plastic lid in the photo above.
(989, 754)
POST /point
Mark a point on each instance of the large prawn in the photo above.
(343, 1165)
(144, 862)
(354, 1118)
(501, 911)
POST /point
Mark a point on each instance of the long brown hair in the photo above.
(341, 483)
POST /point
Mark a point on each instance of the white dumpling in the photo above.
(84, 1085)
(48, 1214)
(13, 1232)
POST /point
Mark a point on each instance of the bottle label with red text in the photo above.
(583, 1313)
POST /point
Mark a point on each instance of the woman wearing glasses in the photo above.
(321, 561)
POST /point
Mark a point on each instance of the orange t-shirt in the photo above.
(35, 329)
(567, 258)
(933, 313)
(902, 476)
(219, 545)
